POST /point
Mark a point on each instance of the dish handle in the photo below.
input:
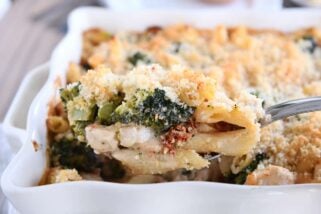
(14, 124)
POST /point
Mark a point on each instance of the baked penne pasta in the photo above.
(149, 106)
(142, 163)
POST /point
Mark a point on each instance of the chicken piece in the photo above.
(105, 139)
(129, 135)
(63, 175)
(139, 137)
(271, 175)
(102, 138)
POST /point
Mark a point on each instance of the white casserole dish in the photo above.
(23, 173)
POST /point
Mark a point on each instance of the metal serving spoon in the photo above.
(284, 110)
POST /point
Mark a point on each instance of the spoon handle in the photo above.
(290, 108)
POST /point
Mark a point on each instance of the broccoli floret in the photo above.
(128, 110)
(69, 93)
(240, 177)
(72, 154)
(78, 128)
(80, 112)
(138, 56)
(153, 109)
(106, 110)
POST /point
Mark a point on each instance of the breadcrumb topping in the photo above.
(63, 175)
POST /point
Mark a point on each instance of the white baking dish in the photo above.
(23, 173)
(14, 124)
(128, 5)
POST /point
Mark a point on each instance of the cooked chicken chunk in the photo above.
(105, 139)
(102, 138)
(271, 175)
(140, 138)
(129, 135)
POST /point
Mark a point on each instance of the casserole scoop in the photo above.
(284, 110)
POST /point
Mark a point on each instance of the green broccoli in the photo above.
(138, 56)
(152, 109)
(106, 110)
(78, 128)
(240, 177)
(69, 93)
(80, 112)
(73, 154)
